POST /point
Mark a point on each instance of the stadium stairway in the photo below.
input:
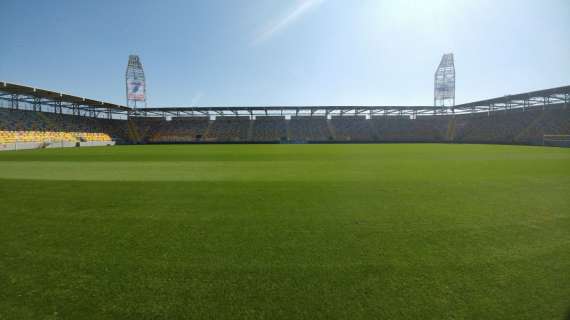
(332, 132)
(374, 134)
(133, 131)
(451, 130)
(207, 131)
(250, 131)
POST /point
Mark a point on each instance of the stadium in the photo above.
(37, 118)
(433, 211)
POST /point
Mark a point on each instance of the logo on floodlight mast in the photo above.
(135, 83)
(135, 90)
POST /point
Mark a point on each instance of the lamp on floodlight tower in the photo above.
(444, 82)
(135, 83)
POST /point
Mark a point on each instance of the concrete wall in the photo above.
(96, 143)
(51, 145)
(20, 146)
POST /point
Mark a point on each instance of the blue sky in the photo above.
(285, 52)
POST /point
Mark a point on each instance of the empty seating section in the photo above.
(180, 130)
(269, 129)
(401, 129)
(514, 126)
(309, 129)
(229, 129)
(51, 136)
(353, 129)
(140, 129)
(500, 128)
(30, 126)
(552, 122)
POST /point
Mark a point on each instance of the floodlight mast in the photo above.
(444, 82)
(135, 83)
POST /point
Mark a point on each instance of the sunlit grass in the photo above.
(298, 231)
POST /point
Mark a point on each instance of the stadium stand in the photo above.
(353, 129)
(51, 136)
(555, 121)
(140, 129)
(29, 116)
(229, 129)
(180, 130)
(402, 129)
(516, 126)
(30, 126)
(269, 129)
(306, 129)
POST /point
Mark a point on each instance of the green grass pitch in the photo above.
(406, 231)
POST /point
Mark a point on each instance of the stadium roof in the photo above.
(56, 101)
(528, 99)
(555, 95)
(290, 110)
(11, 88)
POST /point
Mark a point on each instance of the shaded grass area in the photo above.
(335, 231)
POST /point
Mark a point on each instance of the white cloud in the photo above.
(298, 11)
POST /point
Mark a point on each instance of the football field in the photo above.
(394, 231)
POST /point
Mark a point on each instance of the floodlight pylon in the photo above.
(135, 83)
(444, 82)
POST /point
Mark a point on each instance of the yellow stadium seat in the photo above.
(51, 136)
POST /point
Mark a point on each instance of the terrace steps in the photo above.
(133, 131)
(332, 132)
(451, 130)
(207, 131)
(250, 130)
